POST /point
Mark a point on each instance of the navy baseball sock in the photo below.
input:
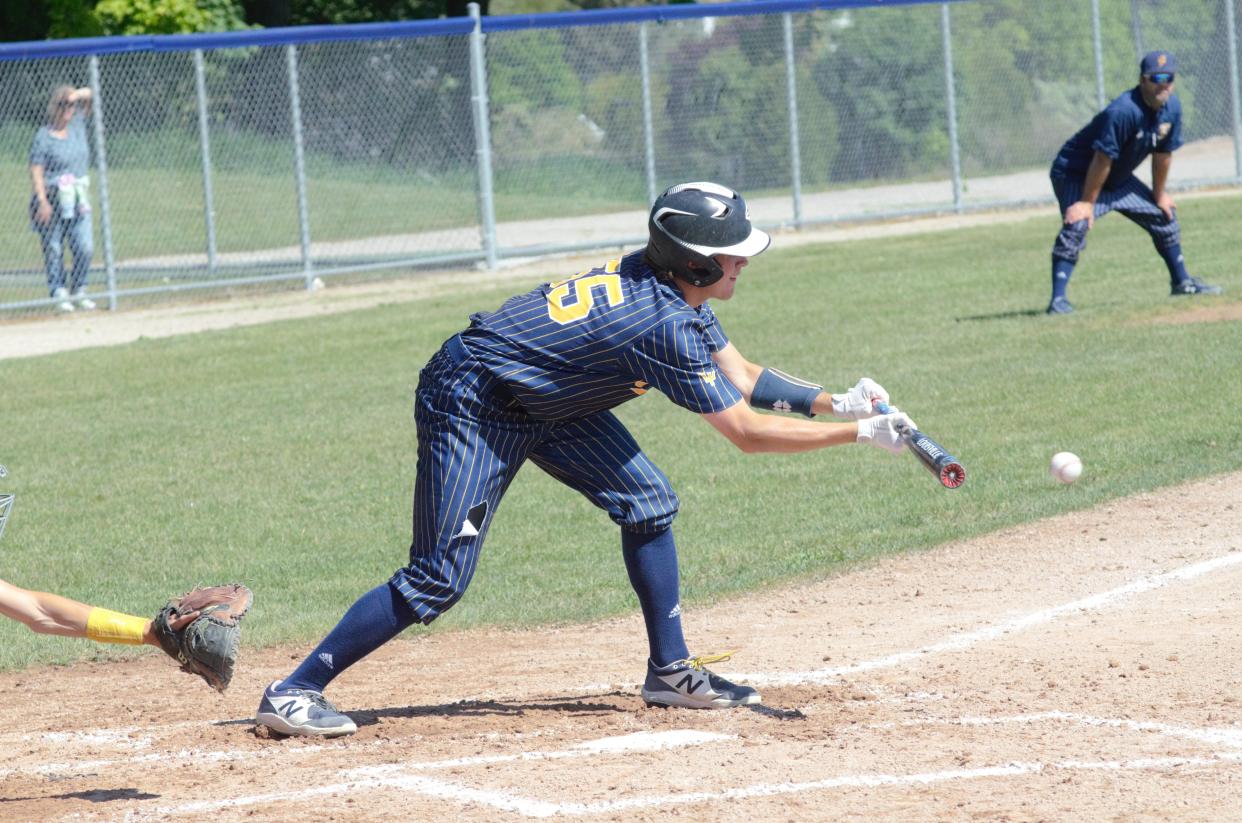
(651, 560)
(1061, 271)
(375, 618)
(1176, 263)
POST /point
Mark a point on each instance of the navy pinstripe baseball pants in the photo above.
(1133, 198)
(471, 442)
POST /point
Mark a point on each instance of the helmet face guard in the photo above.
(691, 223)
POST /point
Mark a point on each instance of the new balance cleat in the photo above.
(1060, 305)
(1193, 285)
(688, 684)
(301, 712)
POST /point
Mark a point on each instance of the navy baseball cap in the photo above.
(1156, 62)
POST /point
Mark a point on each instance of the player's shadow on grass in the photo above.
(1033, 312)
(1003, 315)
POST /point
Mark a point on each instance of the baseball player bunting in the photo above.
(535, 380)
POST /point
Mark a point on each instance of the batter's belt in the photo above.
(456, 350)
(493, 392)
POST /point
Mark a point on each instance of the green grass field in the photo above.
(283, 455)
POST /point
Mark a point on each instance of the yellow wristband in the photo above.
(106, 626)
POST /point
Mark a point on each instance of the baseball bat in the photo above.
(931, 454)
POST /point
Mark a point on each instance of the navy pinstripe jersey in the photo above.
(602, 337)
(1127, 131)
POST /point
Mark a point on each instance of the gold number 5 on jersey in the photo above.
(584, 294)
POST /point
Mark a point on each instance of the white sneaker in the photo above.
(84, 302)
(63, 296)
(301, 712)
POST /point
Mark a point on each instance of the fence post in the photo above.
(644, 64)
(1136, 25)
(482, 137)
(209, 200)
(299, 164)
(955, 156)
(1097, 45)
(1232, 25)
(791, 91)
(101, 162)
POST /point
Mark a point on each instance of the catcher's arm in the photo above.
(47, 613)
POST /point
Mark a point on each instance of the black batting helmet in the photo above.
(693, 221)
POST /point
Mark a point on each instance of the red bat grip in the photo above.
(930, 453)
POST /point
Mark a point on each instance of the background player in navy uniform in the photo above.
(535, 380)
(1094, 174)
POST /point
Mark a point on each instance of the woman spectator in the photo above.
(60, 207)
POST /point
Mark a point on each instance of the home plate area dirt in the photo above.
(1081, 668)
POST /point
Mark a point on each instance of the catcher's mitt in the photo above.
(208, 646)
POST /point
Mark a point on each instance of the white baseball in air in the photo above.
(1065, 467)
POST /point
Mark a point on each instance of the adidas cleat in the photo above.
(1059, 305)
(1193, 285)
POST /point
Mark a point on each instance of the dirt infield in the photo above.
(1080, 668)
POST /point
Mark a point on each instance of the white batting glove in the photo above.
(886, 431)
(859, 402)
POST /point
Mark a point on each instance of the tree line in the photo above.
(870, 84)
(22, 20)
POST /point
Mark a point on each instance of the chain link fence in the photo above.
(285, 157)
